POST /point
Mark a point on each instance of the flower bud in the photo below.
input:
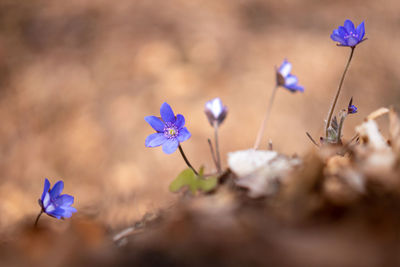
(351, 109)
(215, 111)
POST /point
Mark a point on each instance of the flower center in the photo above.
(351, 34)
(170, 130)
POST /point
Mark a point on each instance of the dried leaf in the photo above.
(377, 156)
(370, 135)
(246, 162)
(377, 113)
(394, 131)
(260, 171)
(340, 167)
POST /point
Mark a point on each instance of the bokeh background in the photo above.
(78, 77)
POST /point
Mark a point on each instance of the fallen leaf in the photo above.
(261, 172)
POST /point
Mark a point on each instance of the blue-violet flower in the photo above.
(348, 35)
(169, 131)
(351, 109)
(215, 111)
(287, 80)
(54, 204)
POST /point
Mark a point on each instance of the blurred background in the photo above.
(78, 77)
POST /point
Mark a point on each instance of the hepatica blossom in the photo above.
(215, 111)
(351, 109)
(287, 80)
(169, 131)
(348, 35)
(53, 203)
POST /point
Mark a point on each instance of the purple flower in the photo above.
(215, 111)
(54, 204)
(169, 131)
(348, 35)
(351, 109)
(287, 80)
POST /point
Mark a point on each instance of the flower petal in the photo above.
(68, 212)
(166, 113)
(337, 38)
(349, 26)
(351, 109)
(217, 107)
(180, 121)
(184, 135)
(170, 146)
(155, 139)
(64, 200)
(56, 213)
(222, 116)
(290, 80)
(72, 209)
(352, 41)
(50, 208)
(285, 68)
(45, 189)
(214, 109)
(295, 87)
(57, 189)
(45, 200)
(341, 31)
(361, 31)
(155, 123)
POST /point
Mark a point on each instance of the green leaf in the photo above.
(208, 184)
(187, 178)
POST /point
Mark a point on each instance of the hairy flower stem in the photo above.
(212, 153)
(37, 219)
(187, 161)
(217, 146)
(328, 121)
(264, 122)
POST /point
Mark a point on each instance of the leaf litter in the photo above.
(339, 205)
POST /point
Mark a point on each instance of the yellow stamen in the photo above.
(171, 132)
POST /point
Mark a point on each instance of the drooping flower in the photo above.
(169, 131)
(348, 35)
(287, 80)
(351, 109)
(215, 111)
(53, 203)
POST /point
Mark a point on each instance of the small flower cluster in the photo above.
(171, 131)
